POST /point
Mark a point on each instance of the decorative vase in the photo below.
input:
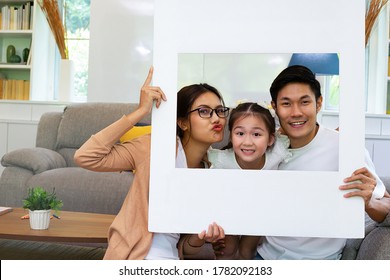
(10, 52)
(39, 219)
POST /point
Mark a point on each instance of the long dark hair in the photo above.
(187, 96)
(246, 109)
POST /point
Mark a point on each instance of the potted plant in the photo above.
(40, 204)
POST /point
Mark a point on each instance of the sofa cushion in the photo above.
(68, 155)
(80, 121)
(352, 246)
(35, 159)
(376, 245)
(84, 190)
(136, 131)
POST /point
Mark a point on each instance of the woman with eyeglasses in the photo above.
(201, 117)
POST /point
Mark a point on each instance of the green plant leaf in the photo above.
(39, 199)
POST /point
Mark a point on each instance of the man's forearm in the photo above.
(378, 209)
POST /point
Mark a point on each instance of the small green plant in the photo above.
(39, 199)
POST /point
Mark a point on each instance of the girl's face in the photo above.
(250, 139)
(204, 130)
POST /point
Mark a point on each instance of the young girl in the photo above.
(253, 145)
(129, 237)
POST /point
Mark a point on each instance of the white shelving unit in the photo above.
(39, 39)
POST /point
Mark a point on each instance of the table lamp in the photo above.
(318, 63)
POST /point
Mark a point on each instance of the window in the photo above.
(376, 63)
(77, 15)
(377, 74)
(331, 93)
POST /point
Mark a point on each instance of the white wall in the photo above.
(121, 44)
(237, 76)
(377, 130)
(121, 53)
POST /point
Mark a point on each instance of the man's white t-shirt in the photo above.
(321, 154)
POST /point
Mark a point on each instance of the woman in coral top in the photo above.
(201, 117)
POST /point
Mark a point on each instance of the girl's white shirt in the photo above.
(277, 153)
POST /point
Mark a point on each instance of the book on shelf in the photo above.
(16, 17)
(1, 89)
(26, 16)
(15, 89)
(388, 66)
(5, 210)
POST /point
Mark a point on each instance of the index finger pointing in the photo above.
(149, 77)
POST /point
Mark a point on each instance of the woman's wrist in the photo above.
(137, 115)
(143, 110)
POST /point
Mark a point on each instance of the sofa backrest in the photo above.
(47, 130)
(66, 132)
(80, 121)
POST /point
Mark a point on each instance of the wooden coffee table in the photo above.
(74, 227)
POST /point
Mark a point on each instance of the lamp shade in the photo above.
(318, 63)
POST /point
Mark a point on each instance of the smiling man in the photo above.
(296, 98)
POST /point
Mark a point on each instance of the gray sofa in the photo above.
(51, 164)
(376, 243)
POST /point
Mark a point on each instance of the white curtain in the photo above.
(377, 52)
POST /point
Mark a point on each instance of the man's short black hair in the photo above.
(295, 74)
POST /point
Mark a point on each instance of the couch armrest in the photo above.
(35, 159)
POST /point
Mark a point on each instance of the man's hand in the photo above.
(361, 183)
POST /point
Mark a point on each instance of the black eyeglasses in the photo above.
(206, 112)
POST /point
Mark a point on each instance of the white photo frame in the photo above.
(279, 203)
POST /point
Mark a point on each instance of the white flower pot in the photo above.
(39, 219)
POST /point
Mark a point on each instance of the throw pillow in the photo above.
(136, 131)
